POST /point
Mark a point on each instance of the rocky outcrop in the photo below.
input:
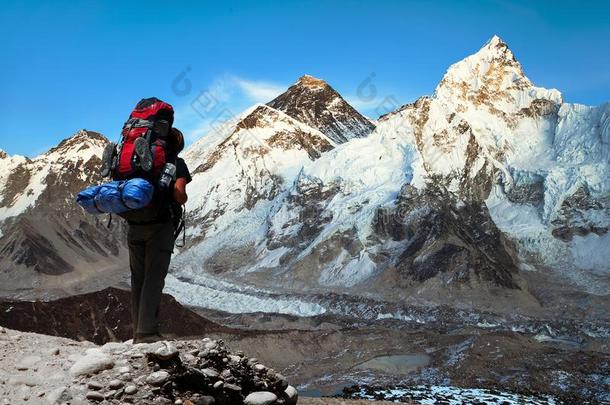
(100, 317)
(313, 102)
(202, 371)
(444, 238)
(581, 214)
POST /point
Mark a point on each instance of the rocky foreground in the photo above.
(40, 369)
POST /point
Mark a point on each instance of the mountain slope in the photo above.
(313, 102)
(457, 190)
(457, 197)
(43, 232)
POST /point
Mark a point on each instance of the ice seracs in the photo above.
(487, 141)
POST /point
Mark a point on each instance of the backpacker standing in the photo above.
(150, 248)
(149, 149)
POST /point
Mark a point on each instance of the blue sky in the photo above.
(67, 65)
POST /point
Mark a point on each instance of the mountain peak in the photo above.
(489, 74)
(496, 49)
(3, 154)
(315, 103)
(79, 137)
(83, 144)
(312, 82)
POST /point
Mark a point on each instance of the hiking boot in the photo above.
(147, 338)
(142, 151)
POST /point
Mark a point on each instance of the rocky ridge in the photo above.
(43, 233)
(54, 370)
(487, 139)
(315, 103)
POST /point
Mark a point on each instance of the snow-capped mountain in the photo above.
(42, 232)
(455, 196)
(263, 153)
(315, 103)
(487, 176)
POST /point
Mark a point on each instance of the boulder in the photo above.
(261, 398)
(93, 362)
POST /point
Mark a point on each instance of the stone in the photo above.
(126, 377)
(59, 395)
(131, 389)
(27, 380)
(124, 369)
(261, 398)
(210, 373)
(259, 368)
(110, 394)
(157, 378)
(232, 387)
(178, 402)
(27, 362)
(189, 358)
(218, 385)
(92, 363)
(206, 400)
(291, 395)
(115, 384)
(54, 351)
(94, 396)
(282, 381)
(94, 385)
(163, 351)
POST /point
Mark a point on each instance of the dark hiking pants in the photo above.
(150, 250)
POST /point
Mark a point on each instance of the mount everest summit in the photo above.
(469, 192)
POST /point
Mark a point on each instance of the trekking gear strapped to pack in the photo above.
(143, 167)
(142, 151)
(116, 197)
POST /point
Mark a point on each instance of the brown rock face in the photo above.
(99, 317)
(313, 102)
(459, 243)
(574, 217)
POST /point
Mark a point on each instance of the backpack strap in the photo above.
(138, 123)
(181, 228)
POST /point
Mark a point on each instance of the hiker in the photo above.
(148, 190)
(151, 245)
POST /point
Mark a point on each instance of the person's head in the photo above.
(175, 141)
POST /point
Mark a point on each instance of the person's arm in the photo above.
(180, 190)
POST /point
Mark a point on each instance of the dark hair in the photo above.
(176, 141)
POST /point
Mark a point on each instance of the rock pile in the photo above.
(199, 372)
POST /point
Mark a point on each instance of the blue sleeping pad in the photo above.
(116, 197)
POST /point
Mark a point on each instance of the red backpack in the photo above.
(142, 151)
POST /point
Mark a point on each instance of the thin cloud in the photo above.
(259, 91)
(225, 97)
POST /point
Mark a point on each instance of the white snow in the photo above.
(456, 396)
(526, 133)
(207, 292)
(77, 149)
